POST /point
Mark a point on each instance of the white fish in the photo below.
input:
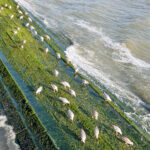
(2, 8)
(32, 28)
(85, 82)
(24, 41)
(95, 115)
(21, 46)
(107, 97)
(58, 55)
(68, 60)
(72, 92)
(38, 91)
(27, 24)
(46, 50)
(35, 32)
(47, 37)
(18, 6)
(20, 12)
(56, 73)
(96, 132)
(126, 140)
(11, 17)
(76, 70)
(21, 17)
(71, 115)
(6, 5)
(29, 19)
(83, 136)
(65, 84)
(9, 7)
(54, 87)
(117, 129)
(15, 32)
(18, 28)
(41, 38)
(64, 100)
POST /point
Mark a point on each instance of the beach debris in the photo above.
(29, 19)
(95, 114)
(96, 132)
(32, 28)
(6, 5)
(54, 87)
(72, 92)
(24, 41)
(83, 136)
(38, 91)
(18, 28)
(117, 129)
(15, 32)
(64, 100)
(46, 50)
(9, 7)
(11, 16)
(56, 73)
(71, 115)
(47, 37)
(107, 97)
(84, 82)
(41, 38)
(1, 8)
(21, 17)
(58, 55)
(126, 140)
(65, 84)
(20, 12)
(27, 24)
(21, 46)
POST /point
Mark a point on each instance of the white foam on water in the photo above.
(126, 97)
(10, 135)
(121, 53)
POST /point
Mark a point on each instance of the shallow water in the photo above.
(111, 45)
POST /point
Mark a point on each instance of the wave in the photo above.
(10, 135)
(121, 53)
(126, 97)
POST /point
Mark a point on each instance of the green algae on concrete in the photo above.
(36, 69)
(23, 137)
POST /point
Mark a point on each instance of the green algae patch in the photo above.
(36, 68)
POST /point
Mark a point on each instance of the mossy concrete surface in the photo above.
(36, 68)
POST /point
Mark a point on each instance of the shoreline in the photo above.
(91, 86)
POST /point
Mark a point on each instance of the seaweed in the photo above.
(45, 141)
(24, 140)
(35, 125)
